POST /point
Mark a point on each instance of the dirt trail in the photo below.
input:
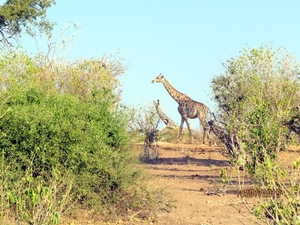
(191, 174)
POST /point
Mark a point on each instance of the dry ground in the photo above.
(190, 174)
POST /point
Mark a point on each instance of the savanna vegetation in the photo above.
(63, 141)
(66, 139)
(257, 116)
(257, 98)
(29, 16)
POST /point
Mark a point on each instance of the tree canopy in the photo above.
(16, 15)
(257, 93)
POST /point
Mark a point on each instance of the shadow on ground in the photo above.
(191, 160)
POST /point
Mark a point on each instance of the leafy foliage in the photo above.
(86, 79)
(143, 123)
(44, 132)
(284, 209)
(64, 139)
(258, 91)
(28, 14)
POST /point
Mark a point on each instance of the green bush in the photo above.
(64, 139)
(85, 139)
(256, 95)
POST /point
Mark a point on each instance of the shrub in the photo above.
(64, 138)
(143, 124)
(257, 93)
(84, 139)
(256, 96)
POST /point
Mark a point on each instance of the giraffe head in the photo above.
(158, 79)
(156, 103)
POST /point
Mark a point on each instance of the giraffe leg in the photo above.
(180, 129)
(206, 132)
(205, 129)
(208, 136)
(189, 128)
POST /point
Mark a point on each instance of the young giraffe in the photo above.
(188, 108)
(167, 120)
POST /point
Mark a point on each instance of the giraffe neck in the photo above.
(168, 121)
(160, 113)
(176, 95)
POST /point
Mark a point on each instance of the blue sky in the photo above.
(185, 40)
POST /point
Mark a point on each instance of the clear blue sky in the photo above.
(185, 40)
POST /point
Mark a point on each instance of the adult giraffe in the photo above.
(187, 108)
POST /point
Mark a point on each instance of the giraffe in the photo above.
(167, 120)
(187, 108)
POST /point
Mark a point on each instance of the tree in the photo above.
(18, 14)
(257, 93)
(258, 107)
(85, 78)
